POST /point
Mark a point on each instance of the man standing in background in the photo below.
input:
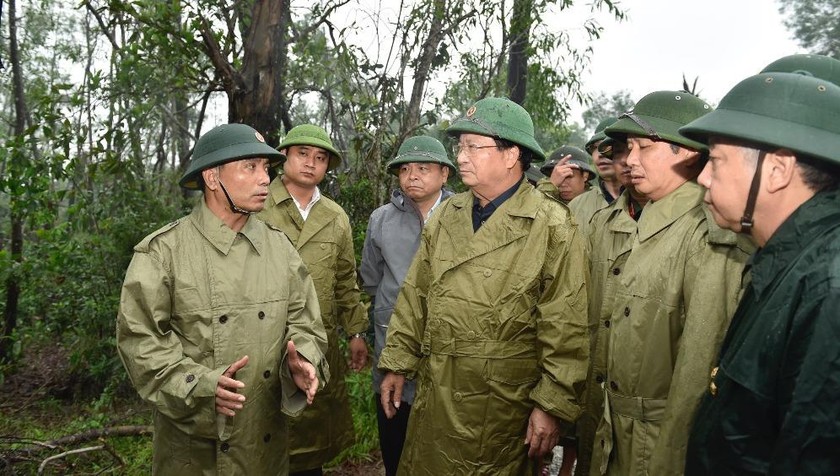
(320, 231)
(391, 241)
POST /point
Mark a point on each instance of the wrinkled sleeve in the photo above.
(351, 312)
(710, 291)
(306, 329)
(403, 350)
(562, 334)
(810, 425)
(545, 186)
(152, 353)
(373, 264)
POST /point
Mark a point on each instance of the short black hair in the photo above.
(526, 155)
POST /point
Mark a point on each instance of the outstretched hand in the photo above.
(227, 400)
(303, 373)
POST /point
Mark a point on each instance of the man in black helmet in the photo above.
(218, 325)
(771, 406)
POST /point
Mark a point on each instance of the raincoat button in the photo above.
(261, 315)
(616, 271)
(599, 378)
(607, 323)
(267, 437)
(487, 273)
(267, 373)
(190, 378)
(323, 246)
(471, 335)
(223, 319)
(626, 311)
(613, 385)
(225, 447)
(457, 396)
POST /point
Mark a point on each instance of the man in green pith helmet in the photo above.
(818, 66)
(667, 286)
(218, 325)
(392, 239)
(770, 405)
(320, 230)
(605, 189)
(491, 318)
(569, 173)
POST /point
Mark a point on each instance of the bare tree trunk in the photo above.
(520, 26)
(10, 315)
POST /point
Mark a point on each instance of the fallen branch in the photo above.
(84, 437)
(67, 453)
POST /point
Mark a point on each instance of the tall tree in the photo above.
(520, 28)
(814, 24)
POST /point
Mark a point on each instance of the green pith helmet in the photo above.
(780, 110)
(499, 118)
(659, 115)
(606, 148)
(533, 174)
(226, 143)
(599, 134)
(818, 66)
(308, 134)
(420, 149)
(579, 158)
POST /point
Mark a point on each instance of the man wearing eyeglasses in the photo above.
(491, 318)
(667, 285)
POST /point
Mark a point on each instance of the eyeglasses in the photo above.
(468, 149)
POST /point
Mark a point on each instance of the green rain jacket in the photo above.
(325, 243)
(602, 283)
(585, 205)
(491, 323)
(774, 406)
(669, 287)
(198, 296)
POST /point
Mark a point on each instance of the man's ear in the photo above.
(779, 170)
(511, 156)
(211, 177)
(445, 170)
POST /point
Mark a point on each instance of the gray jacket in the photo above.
(392, 239)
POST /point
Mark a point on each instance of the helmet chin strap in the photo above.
(230, 201)
(747, 219)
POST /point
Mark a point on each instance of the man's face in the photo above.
(246, 181)
(573, 185)
(603, 164)
(727, 177)
(654, 166)
(619, 163)
(306, 165)
(422, 181)
(480, 162)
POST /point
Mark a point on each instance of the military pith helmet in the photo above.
(659, 115)
(222, 144)
(420, 149)
(579, 158)
(780, 110)
(308, 134)
(819, 66)
(599, 134)
(533, 174)
(500, 118)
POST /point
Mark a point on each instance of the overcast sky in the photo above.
(721, 41)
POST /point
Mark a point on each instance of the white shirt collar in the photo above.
(304, 212)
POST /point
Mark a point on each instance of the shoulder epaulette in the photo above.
(143, 246)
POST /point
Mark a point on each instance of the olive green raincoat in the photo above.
(325, 243)
(491, 323)
(198, 296)
(585, 205)
(669, 287)
(546, 186)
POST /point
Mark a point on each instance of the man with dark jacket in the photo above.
(392, 238)
(771, 404)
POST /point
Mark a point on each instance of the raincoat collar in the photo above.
(620, 220)
(661, 214)
(221, 236)
(819, 214)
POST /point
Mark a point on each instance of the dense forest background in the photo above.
(102, 100)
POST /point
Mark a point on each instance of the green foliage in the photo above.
(363, 408)
(814, 24)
